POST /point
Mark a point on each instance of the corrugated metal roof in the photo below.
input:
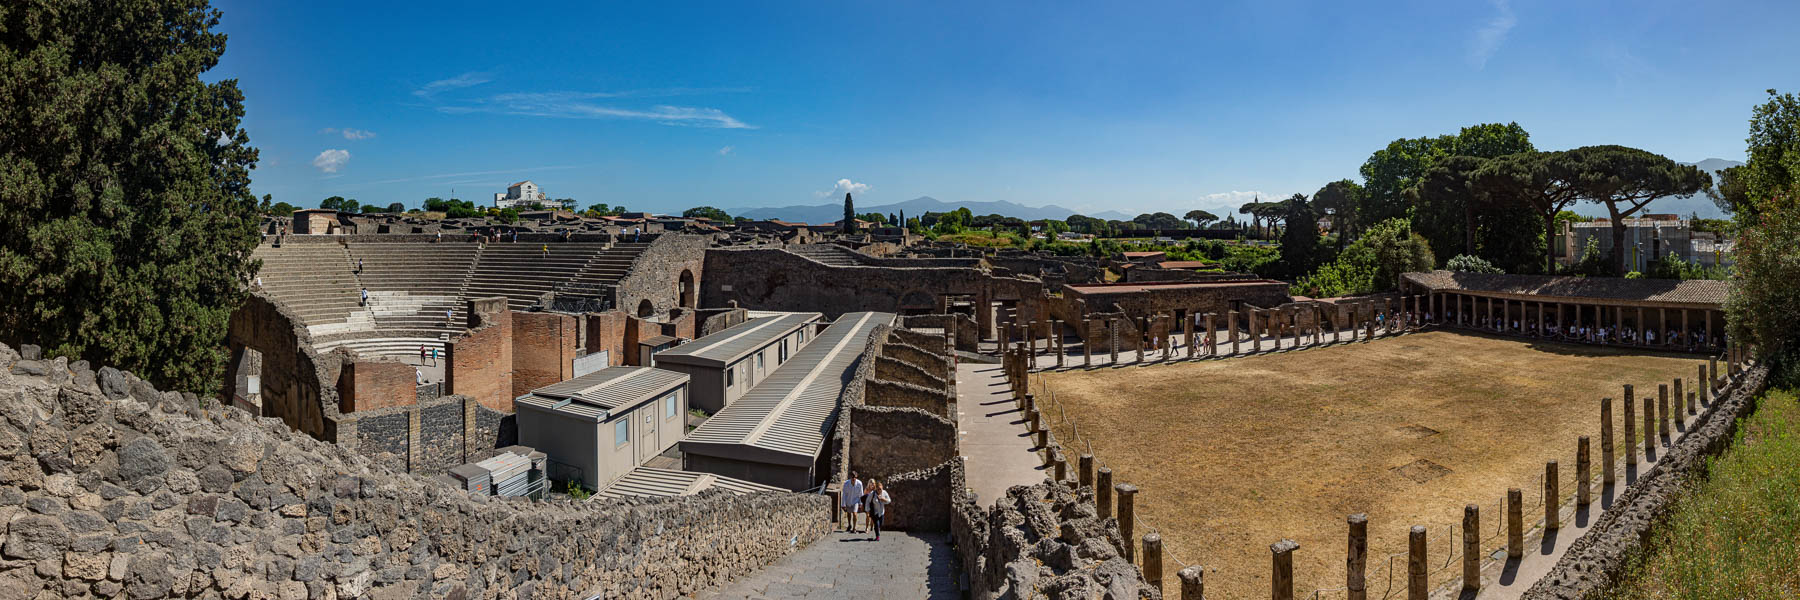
(734, 343)
(654, 482)
(1670, 291)
(595, 394)
(789, 412)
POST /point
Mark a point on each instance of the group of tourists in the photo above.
(1601, 334)
(871, 499)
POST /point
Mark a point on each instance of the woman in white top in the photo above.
(875, 503)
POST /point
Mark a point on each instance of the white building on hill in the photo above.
(520, 195)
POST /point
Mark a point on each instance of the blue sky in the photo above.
(1130, 106)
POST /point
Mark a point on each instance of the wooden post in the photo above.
(1471, 529)
(1415, 564)
(1606, 442)
(1193, 583)
(1552, 499)
(1127, 493)
(1515, 523)
(1281, 579)
(1086, 469)
(1103, 489)
(1583, 476)
(1630, 427)
(1357, 564)
(1153, 560)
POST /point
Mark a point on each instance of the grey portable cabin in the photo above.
(723, 366)
(606, 422)
(774, 434)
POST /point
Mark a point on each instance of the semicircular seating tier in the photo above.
(418, 292)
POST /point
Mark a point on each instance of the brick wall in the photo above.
(376, 384)
(480, 362)
(543, 349)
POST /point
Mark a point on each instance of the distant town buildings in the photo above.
(1646, 239)
(523, 194)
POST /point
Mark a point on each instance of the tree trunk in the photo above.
(1618, 235)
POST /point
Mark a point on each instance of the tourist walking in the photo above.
(876, 501)
(850, 497)
(365, 296)
(423, 352)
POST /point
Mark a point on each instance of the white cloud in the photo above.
(330, 161)
(1491, 35)
(464, 80)
(349, 133)
(845, 186)
(726, 151)
(578, 105)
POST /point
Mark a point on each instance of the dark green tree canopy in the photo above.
(849, 213)
(124, 186)
(707, 212)
(1200, 218)
(1625, 180)
(1158, 220)
(1391, 171)
(1773, 148)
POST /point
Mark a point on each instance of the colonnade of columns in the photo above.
(1633, 324)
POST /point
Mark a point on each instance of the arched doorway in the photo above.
(686, 291)
(645, 309)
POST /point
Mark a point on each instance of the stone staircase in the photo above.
(316, 282)
(830, 254)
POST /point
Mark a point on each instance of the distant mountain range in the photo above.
(1700, 203)
(828, 213)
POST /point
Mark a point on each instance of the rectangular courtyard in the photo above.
(1234, 455)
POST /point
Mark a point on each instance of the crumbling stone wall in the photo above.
(924, 500)
(110, 488)
(968, 336)
(656, 272)
(1044, 541)
(1594, 562)
(298, 383)
(933, 343)
(892, 369)
(891, 394)
(771, 279)
(885, 441)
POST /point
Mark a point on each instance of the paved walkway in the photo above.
(997, 451)
(843, 565)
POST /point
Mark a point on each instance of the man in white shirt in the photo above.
(850, 497)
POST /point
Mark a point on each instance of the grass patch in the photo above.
(1737, 534)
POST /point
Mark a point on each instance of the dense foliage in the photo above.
(124, 186)
(1765, 298)
(1373, 263)
(1471, 264)
(707, 212)
(453, 209)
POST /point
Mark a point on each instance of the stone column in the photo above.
(1712, 374)
(1127, 494)
(1701, 386)
(1370, 334)
(1515, 523)
(1692, 408)
(1031, 344)
(1662, 411)
(1085, 470)
(1281, 577)
(1471, 529)
(1187, 325)
(1103, 489)
(1357, 564)
(1153, 560)
(1606, 441)
(1255, 330)
(1231, 321)
(1143, 337)
(1212, 337)
(1687, 335)
(1087, 342)
(1583, 476)
(1552, 499)
(1112, 331)
(1649, 429)
(1679, 396)
(1062, 467)
(1193, 583)
(984, 315)
(1630, 427)
(1415, 564)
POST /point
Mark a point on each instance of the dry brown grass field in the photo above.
(1234, 455)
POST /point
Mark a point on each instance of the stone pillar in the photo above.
(1255, 330)
(1062, 467)
(1649, 429)
(1127, 494)
(1712, 374)
(1212, 337)
(1087, 342)
(1103, 489)
(984, 315)
(1471, 529)
(1583, 476)
(1187, 328)
(1606, 441)
(1630, 414)
(1085, 469)
(1231, 321)
(1370, 334)
(1043, 433)
(1515, 523)
(1692, 408)
(1662, 410)
(1153, 560)
(1193, 583)
(1112, 331)
(1058, 341)
(1281, 576)
(1143, 337)
(1701, 386)
(1552, 499)
(1679, 396)
(1031, 344)
(1415, 564)
(1357, 564)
